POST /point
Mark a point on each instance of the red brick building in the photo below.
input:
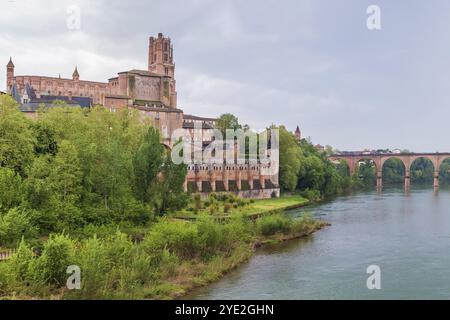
(153, 93)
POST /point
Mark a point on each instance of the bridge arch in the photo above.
(343, 167)
(423, 169)
(444, 170)
(353, 159)
(394, 167)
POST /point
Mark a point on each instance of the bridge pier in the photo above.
(379, 181)
(407, 180)
(436, 180)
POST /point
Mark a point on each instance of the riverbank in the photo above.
(200, 274)
(174, 257)
(194, 274)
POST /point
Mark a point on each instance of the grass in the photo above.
(194, 274)
(263, 206)
(255, 209)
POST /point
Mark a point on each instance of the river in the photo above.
(406, 235)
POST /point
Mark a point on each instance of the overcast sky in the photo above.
(308, 62)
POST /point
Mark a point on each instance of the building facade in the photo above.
(153, 93)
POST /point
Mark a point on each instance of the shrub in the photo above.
(214, 196)
(168, 264)
(20, 261)
(178, 237)
(197, 202)
(14, 225)
(312, 195)
(11, 189)
(6, 279)
(210, 235)
(304, 224)
(119, 248)
(57, 255)
(93, 262)
(269, 225)
(241, 202)
(239, 228)
(213, 206)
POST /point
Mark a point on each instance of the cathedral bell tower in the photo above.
(9, 75)
(160, 61)
(160, 56)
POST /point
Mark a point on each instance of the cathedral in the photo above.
(153, 93)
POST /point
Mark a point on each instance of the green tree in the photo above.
(57, 255)
(170, 186)
(11, 189)
(147, 163)
(14, 225)
(65, 176)
(290, 160)
(16, 137)
(227, 121)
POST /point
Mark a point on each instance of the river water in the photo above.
(406, 235)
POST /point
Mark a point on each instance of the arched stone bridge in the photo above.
(353, 159)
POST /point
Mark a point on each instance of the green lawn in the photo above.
(275, 204)
(258, 207)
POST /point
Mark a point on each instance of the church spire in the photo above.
(298, 134)
(76, 75)
(10, 63)
(9, 75)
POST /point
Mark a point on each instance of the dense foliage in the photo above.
(72, 169)
(173, 256)
(304, 168)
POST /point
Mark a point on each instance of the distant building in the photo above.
(319, 147)
(298, 133)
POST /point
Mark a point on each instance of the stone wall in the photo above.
(250, 194)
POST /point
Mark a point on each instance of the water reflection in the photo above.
(406, 234)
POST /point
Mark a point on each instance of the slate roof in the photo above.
(34, 106)
(192, 117)
(190, 125)
(142, 73)
(48, 100)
